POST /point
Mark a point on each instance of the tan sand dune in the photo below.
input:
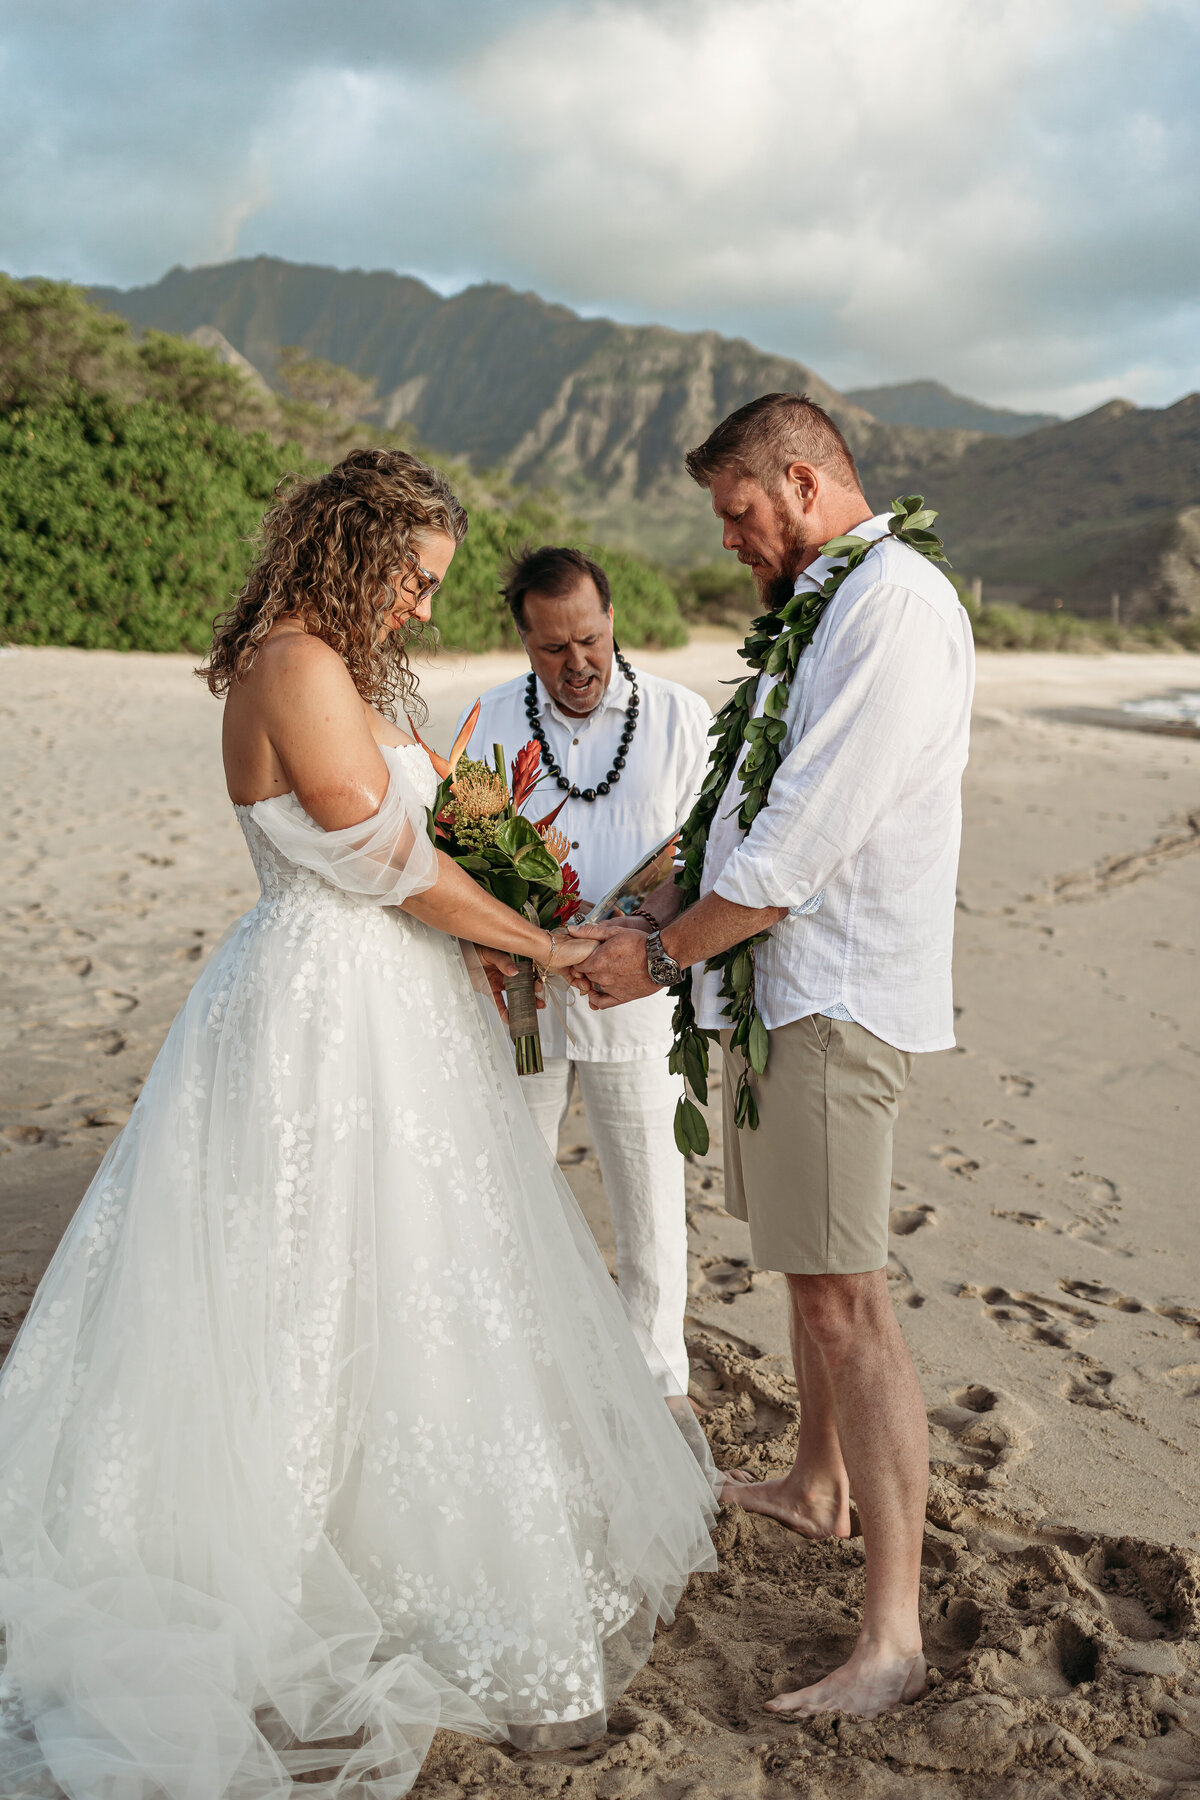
(1044, 1247)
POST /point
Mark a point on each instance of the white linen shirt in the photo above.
(659, 784)
(860, 837)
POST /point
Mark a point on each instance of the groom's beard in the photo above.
(775, 590)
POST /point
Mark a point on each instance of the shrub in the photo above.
(126, 527)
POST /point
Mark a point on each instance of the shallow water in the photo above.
(1179, 708)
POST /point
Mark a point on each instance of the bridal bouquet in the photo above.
(476, 819)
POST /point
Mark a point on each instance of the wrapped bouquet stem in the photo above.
(520, 996)
(477, 819)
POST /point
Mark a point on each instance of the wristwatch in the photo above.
(662, 966)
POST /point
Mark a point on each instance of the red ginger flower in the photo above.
(568, 899)
(526, 772)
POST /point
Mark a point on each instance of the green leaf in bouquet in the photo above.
(474, 864)
(757, 1045)
(514, 834)
(510, 890)
(535, 864)
(920, 521)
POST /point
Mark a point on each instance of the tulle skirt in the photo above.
(327, 1422)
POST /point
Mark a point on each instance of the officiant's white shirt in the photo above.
(860, 839)
(659, 785)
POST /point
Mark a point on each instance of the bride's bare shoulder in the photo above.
(298, 656)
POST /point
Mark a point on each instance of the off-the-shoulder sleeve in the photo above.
(385, 860)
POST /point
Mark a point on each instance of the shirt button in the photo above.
(575, 845)
(574, 740)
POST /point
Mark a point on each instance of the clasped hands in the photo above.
(607, 962)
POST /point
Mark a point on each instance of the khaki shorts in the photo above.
(814, 1181)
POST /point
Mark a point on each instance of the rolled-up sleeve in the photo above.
(872, 707)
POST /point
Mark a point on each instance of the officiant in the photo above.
(628, 751)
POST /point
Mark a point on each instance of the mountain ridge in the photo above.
(933, 403)
(604, 413)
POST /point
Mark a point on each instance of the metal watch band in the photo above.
(661, 964)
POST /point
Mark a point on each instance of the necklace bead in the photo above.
(552, 768)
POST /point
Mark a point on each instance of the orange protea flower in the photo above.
(556, 842)
(526, 771)
(479, 793)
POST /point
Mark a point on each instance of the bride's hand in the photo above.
(565, 953)
(498, 965)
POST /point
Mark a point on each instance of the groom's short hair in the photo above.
(761, 438)
(554, 570)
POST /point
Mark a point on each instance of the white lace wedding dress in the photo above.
(327, 1421)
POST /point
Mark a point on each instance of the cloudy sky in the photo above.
(1002, 194)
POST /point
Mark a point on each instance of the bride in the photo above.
(327, 1427)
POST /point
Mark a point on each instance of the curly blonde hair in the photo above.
(332, 548)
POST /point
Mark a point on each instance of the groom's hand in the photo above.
(616, 970)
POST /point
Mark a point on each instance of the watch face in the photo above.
(663, 967)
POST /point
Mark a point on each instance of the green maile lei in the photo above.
(775, 645)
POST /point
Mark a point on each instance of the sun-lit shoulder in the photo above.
(303, 673)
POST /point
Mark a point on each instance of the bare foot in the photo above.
(812, 1515)
(874, 1680)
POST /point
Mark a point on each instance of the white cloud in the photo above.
(999, 193)
(927, 189)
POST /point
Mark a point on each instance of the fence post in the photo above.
(1115, 604)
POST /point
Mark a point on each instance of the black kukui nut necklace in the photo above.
(614, 774)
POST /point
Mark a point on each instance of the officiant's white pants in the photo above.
(630, 1110)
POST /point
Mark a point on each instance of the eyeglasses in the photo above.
(428, 584)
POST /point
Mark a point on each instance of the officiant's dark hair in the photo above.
(761, 438)
(553, 570)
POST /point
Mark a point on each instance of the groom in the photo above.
(851, 870)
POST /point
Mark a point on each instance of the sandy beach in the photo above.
(1043, 1253)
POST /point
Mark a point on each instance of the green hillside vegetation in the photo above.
(134, 473)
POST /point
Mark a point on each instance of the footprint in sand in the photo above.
(904, 1220)
(751, 1414)
(1035, 1221)
(1101, 1296)
(1007, 1129)
(727, 1277)
(904, 1289)
(1033, 1318)
(1182, 1316)
(1017, 1087)
(26, 1137)
(982, 1429)
(1088, 1385)
(956, 1160)
(112, 1000)
(1186, 1377)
